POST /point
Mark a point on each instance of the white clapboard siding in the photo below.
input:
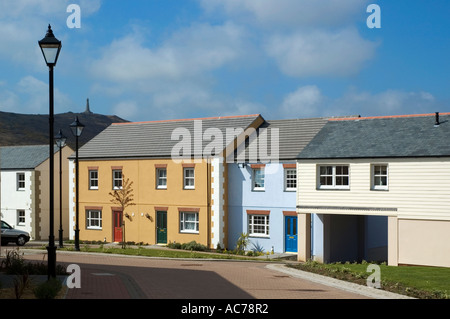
(419, 188)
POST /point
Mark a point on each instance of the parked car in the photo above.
(11, 235)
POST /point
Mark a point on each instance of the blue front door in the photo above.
(290, 231)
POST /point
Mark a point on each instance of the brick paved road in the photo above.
(120, 277)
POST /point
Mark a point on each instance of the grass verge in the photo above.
(414, 281)
(162, 253)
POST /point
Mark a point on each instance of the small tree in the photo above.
(242, 243)
(124, 198)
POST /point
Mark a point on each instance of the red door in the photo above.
(118, 216)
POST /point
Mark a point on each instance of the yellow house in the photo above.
(178, 173)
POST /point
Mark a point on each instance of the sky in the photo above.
(147, 60)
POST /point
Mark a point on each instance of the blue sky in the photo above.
(166, 59)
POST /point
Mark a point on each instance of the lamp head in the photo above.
(77, 127)
(60, 139)
(50, 47)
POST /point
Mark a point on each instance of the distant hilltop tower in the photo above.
(88, 110)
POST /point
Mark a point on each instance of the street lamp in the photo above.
(77, 129)
(50, 47)
(60, 142)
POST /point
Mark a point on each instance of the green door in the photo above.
(161, 227)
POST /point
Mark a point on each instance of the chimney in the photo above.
(436, 124)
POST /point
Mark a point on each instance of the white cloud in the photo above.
(388, 102)
(24, 22)
(289, 13)
(305, 101)
(188, 52)
(25, 9)
(317, 53)
(33, 96)
(304, 37)
(126, 109)
(309, 101)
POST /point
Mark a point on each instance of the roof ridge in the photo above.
(192, 119)
(385, 116)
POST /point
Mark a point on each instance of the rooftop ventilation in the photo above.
(436, 124)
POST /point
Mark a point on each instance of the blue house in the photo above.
(262, 185)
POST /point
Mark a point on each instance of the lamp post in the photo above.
(77, 129)
(50, 47)
(60, 142)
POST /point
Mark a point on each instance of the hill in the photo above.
(30, 129)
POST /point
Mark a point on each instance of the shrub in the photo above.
(257, 249)
(48, 289)
(14, 264)
(21, 283)
(193, 245)
(174, 245)
(242, 242)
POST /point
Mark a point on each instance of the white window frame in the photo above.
(376, 174)
(116, 179)
(256, 187)
(92, 179)
(253, 226)
(187, 185)
(333, 176)
(90, 219)
(20, 181)
(161, 178)
(287, 179)
(184, 221)
(21, 218)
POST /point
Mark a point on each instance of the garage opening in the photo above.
(354, 238)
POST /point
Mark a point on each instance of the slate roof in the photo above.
(381, 137)
(23, 157)
(154, 139)
(293, 136)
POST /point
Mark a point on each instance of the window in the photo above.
(188, 222)
(189, 178)
(20, 181)
(290, 179)
(258, 225)
(20, 217)
(161, 178)
(380, 177)
(93, 179)
(117, 179)
(94, 219)
(334, 177)
(258, 179)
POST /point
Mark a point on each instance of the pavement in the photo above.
(109, 276)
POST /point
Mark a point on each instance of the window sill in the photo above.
(380, 189)
(259, 236)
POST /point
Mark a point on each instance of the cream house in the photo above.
(381, 188)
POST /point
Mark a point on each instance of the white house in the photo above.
(25, 188)
(381, 187)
